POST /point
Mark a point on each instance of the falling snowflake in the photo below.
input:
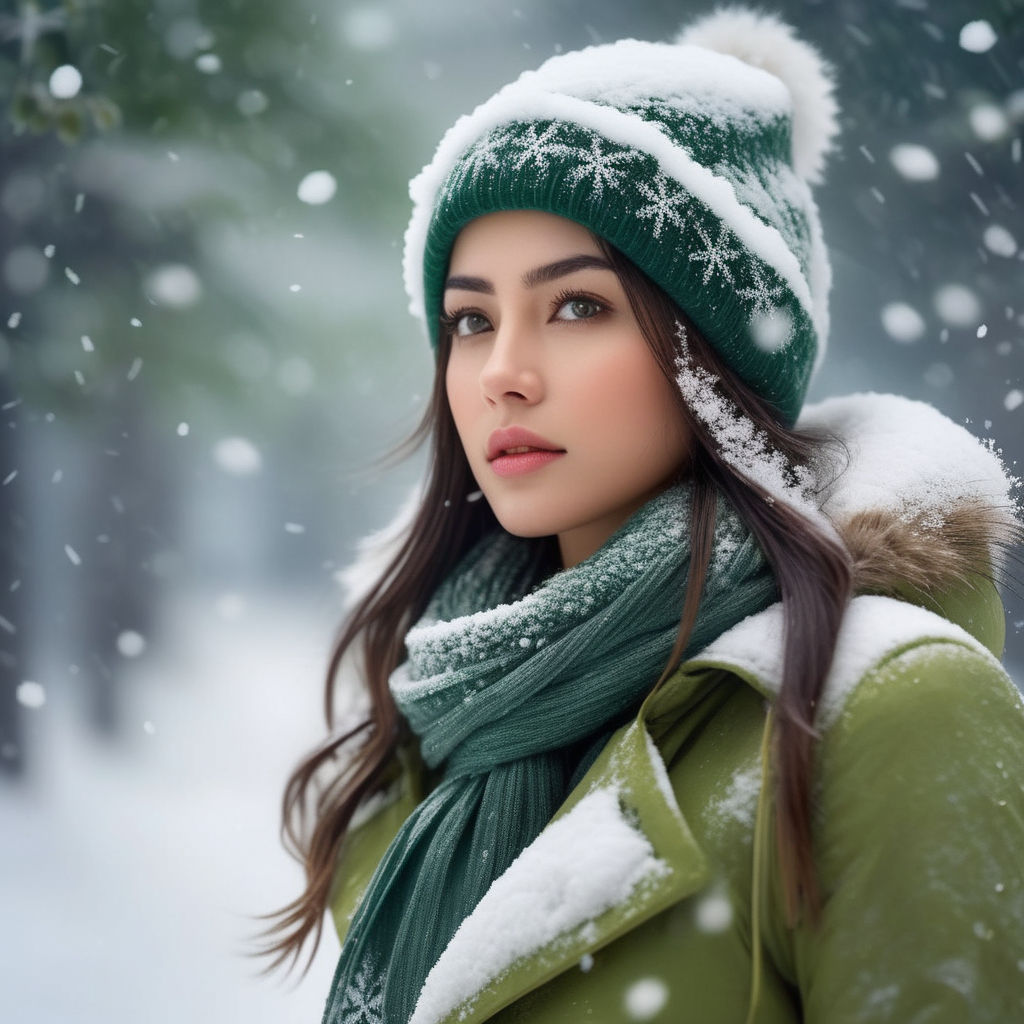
(600, 166)
(364, 998)
(763, 292)
(663, 205)
(715, 254)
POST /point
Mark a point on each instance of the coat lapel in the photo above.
(617, 853)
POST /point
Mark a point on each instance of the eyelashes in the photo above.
(449, 321)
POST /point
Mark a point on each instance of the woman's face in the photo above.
(567, 421)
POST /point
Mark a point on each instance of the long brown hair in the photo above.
(811, 567)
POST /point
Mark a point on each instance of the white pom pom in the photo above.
(769, 43)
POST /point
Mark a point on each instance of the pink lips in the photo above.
(505, 461)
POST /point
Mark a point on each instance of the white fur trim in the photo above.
(766, 42)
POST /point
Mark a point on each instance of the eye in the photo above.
(578, 307)
(464, 323)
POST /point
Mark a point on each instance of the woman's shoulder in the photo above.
(889, 652)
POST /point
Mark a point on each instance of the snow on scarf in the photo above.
(506, 688)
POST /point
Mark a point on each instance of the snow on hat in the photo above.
(693, 158)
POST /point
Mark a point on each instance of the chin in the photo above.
(521, 524)
(529, 518)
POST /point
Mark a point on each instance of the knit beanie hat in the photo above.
(693, 158)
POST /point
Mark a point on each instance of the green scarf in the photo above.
(513, 691)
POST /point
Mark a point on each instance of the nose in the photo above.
(512, 371)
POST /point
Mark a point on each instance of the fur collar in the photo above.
(921, 502)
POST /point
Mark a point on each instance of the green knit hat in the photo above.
(693, 158)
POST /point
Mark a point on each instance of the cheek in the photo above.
(626, 397)
(460, 388)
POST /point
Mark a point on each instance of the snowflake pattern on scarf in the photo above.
(364, 997)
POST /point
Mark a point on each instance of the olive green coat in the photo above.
(919, 842)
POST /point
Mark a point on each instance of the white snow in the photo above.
(72, 276)
(370, 28)
(251, 102)
(998, 240)
(902, 322)
(765, 41)
(238, 456)
(771, 330)
(914, 162)
(131, 644)
(612, 75)
(872, 628)
(73, 555)
(580, 865)
(175, 285)
(713, 913)
(957, 305)
(630, 72)
(208, 63)
(182, 429)
(30, 694)
(65, 82)
(87, 343)
(740, 443)
(317, 188)
(988, 121)
(1013, 399)
(905, 457)
(132, 870)
(978, 36)
(739, 801)
(645, 998)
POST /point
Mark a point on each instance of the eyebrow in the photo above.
(532, 278)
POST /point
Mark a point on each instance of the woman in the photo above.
(680, 709)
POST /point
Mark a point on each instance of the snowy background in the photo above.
(204, 348)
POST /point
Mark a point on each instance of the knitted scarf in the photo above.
(514, 691)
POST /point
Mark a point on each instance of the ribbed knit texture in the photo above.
(501, 683)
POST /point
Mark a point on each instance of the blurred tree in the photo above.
(139, 136)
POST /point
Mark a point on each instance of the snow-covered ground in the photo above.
(129, 871)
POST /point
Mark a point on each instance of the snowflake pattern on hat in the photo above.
(665, 202)
(666, 219)
(599, 164)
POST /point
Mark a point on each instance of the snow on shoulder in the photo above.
(578, 867)
(873, 628)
